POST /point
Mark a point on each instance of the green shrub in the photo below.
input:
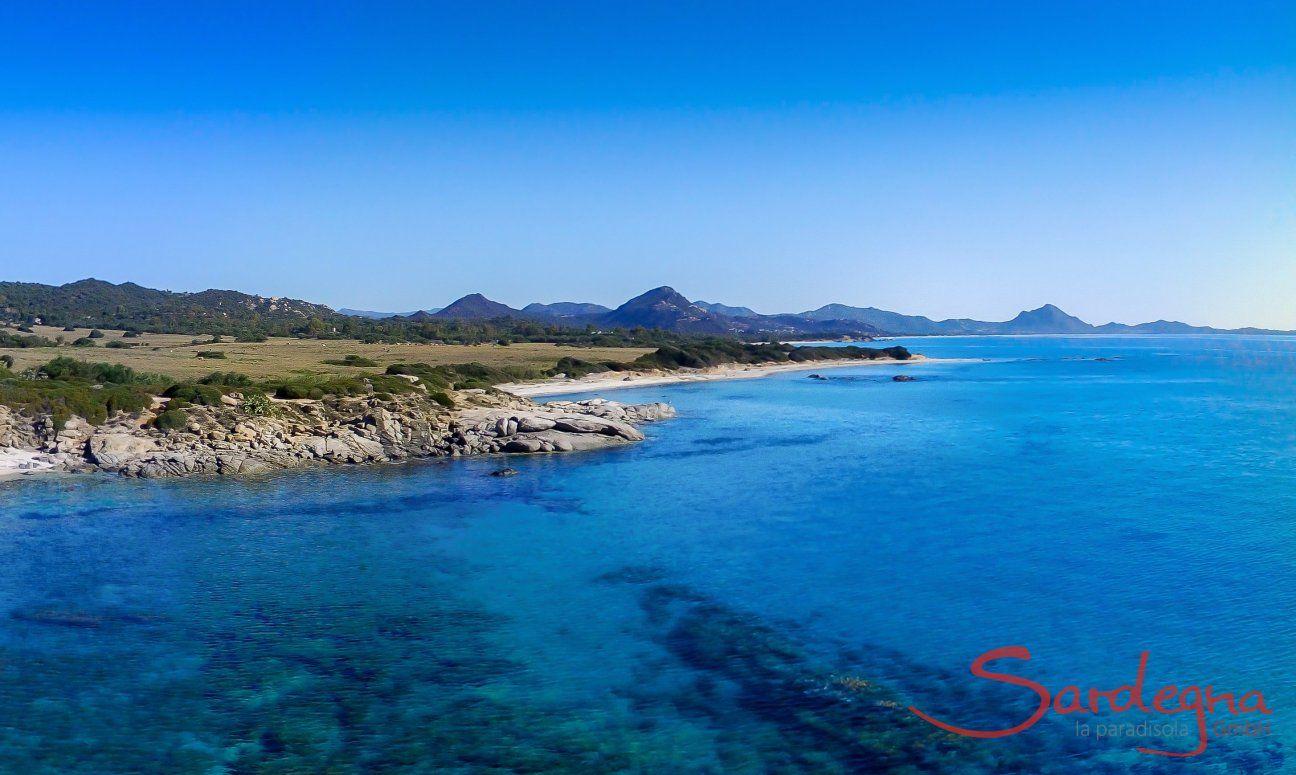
(172, 420)
(7, 360)
(575, 367)
(192, 393)
(69, 328)
(250, 338)
(463, 376)
(211, 354)
(352, 360)
(294, 391)
(69, 369)
(96, 334)
(130, 335)
(442, 398)
(257, 403)
(85, 341)
(387, 383)
(226, 379)
(316, 387)
(9, 340)
(64, 399)
(118, 344)
(714, 352)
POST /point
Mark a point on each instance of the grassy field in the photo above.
(175, 354)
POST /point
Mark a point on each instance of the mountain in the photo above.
(1047, 319)
(101, 304)
(475, 306)
(882, 319)
(364, 313)
(727, 311)
(664, 308)
(565, 309)
(792, 326)
(1175, 327)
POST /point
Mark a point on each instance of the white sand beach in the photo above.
(614, 380)
(20, 462)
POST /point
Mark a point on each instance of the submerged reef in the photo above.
(411, 676)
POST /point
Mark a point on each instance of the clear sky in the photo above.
(1123, 160)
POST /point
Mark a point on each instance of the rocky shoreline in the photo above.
(225, 440)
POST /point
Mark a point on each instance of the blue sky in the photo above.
(1124, 160)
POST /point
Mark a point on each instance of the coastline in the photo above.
(221, 440)
(619, 380)
(17, 462)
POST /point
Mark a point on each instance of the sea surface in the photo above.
(765, 585)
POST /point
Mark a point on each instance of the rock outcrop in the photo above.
(224, 440)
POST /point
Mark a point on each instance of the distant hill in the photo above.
(98, 304)
(794, 326)
(1175, 327)
(667, 309)
(422, 316)
(364, 313)
(1047, 319)
(726, 310)
(882, 319)
(565, 309)
(475, 306)
(103, 304)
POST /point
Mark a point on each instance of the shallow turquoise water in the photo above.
(709, 600)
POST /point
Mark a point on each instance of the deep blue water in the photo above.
(692, 603)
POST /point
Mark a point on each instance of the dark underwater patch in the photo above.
(799, 712)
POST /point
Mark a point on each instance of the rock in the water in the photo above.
(505, 472)
(817, 376)
(903, 378)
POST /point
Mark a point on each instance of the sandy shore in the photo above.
(614, 380)
(21, 462)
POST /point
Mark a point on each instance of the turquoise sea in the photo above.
(765, 585)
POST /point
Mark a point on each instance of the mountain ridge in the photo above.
(98, 303)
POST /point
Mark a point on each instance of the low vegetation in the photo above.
(173, 419)
(17, 340)
(577, 367)
(352, 360)
(717, 351)
(65, 387)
